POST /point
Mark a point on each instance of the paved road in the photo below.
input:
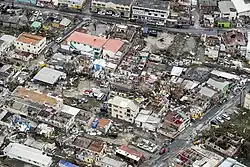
(184, 139)
(86, 13)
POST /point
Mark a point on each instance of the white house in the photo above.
(30, 43)
(122, 108)
(242, 7)
(227, 10)
(27, 154)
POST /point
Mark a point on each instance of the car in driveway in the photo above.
(226, 117)
(220, 120)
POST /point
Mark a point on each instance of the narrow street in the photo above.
(184, 140)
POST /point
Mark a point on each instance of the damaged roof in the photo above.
(152, 4)
(120, 2)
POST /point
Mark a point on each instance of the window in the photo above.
(122, 8)
(162, 15)
(128, 115)
(103, 5)
(99, 4)
(121, 116)
(149, 13)
(117, 7)
(94, 3)
(128, 110)
(156, 14)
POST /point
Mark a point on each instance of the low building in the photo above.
(118, 8)
(220, 86)
(147, 121)
(75, 4)
(227, 10)
(93, 146)
(208, 6)
(63, 163)
(196, 156)
(104, 125)
(110, 162)
(32, 2)
(27, 154)
(26, 101)
(242, 7)
(122, 108)
(130, 155)
(229, 162)
(227, 144)
(30, 43)
(150, 11)
(6, 41)
(49, 76)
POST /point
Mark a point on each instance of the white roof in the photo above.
(241, 6)
(141, 118)
(65, 22)
(70, 110)
(100, 62)
(124, 103)
(48, 75)
(216, 84)
(15, 149)
(111, 65)
(176, 71)
(113, 162)
(225, 6)
(225, 74)
(230, 162)
(207, 92)
(8, 38)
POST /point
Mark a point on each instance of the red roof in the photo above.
(131, 151)
(95, 41)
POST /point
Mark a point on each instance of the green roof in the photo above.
(36, 24)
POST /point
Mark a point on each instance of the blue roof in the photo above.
(68, 164)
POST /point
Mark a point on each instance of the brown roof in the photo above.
(96, 146)
(103, 122)
(34, 96)
(82, 142)
(29, 38)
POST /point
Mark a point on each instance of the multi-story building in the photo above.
(91, 45)
(155, 11)
(76, 4)
(30, 43)
(118, 8)
(27, 154)
(123, 108)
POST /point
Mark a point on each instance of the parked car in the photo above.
(220, 120)
(226, 117)
(162, 151)
(83, 100)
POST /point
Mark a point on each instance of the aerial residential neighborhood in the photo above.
(124, 83)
